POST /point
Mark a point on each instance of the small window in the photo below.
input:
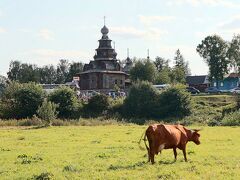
(221, 84)
(116, 81)
(121, 81)
(215, 84)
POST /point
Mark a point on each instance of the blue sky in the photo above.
(44, 31)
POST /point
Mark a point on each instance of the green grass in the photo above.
(112, 152)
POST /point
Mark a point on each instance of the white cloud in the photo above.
(213, 3)
(231, 23)
(46, 34)
(132, 32)
(2, 30)
(51, 56)
(24, 30)
(148, 20)
(58, 54)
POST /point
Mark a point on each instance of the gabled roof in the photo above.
(197, 79)
(233, 75)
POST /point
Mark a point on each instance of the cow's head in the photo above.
(195, 136)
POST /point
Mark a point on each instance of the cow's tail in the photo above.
(144, 139)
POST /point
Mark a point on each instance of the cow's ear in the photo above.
(196, 130)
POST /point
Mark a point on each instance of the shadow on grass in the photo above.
(133, 166)
(167, 162)
(37, 127)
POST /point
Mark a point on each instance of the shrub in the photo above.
(141, 101)
(175, 101)
(116, 106)
(97, 105)
(21, 100)
(47, 111)
(67, 102)
(231, 119)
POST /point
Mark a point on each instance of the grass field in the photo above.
(112, 152)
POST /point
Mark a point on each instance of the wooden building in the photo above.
(105, 71)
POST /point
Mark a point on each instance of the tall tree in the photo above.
(75, 67)
(48, 74)
(234, 52)
(143, 70)
(214, 50)
(180, 63)
(161, 63)
(62, 71)
(23, 72)
(180, 70)
(29, 73)
(3, 84)
(14, 70)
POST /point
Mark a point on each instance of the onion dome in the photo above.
(104, 30)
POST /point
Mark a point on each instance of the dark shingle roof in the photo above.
(197, 79)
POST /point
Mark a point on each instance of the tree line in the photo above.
(159, 70)
(48, 74)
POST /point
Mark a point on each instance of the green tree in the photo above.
(213, 50)
(14, 70)
(21, 100)
(48, 74)
(141, 101)
(161, 63)
(177, 75)
(175, 101)
(75, 67)
(3, 84)
(143, 70)
(66, 100)
(234, 52)
(164, 76)
(97, 105)
(47, 112)
(62, 71)
(23, 72)
(180, 69)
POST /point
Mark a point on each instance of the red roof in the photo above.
(233, 75)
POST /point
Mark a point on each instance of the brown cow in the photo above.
(162, 136)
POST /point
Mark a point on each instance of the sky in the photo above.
(43, 31)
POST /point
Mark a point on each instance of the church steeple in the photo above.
(105, 50)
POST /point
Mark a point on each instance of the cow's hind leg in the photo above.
(184, 153)
(175, 153)
(148, 150)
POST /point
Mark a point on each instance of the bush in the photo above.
(174, 102)
(97, 105)
(231, 119)
(21, 100)
(47, 112)
(141, 101)
(66, 99)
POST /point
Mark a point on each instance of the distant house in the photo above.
(199, 82)
(230, 81)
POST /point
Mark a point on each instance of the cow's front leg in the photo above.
(175, 153)
(152, 154)
(184, 153)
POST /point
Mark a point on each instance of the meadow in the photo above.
(112, 152)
